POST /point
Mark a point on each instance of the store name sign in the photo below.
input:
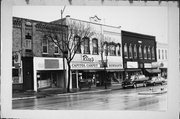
(85, 65)
(87, 58)
(132, 65)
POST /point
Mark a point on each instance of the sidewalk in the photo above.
(58, 91)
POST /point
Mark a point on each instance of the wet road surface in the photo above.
(124, 99)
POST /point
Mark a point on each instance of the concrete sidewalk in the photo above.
(57, 91)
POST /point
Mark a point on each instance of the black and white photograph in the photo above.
(87, 60)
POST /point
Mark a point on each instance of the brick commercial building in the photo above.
(36, 62)
(139, 53)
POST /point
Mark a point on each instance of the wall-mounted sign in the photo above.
(85, 65)
(147, 65)
(115, 65)
(132, 65)
(86, 58)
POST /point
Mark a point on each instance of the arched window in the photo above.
(162, 54)
(125, 51)
(145, 52)
(118, 47)
(153, 53)
(135, 52)
(86, 46)
(149, 53)
(106, 48)
(45, 45)
(130, 51)
(95, 46)
(140, 52)
(112, 49)
(77, 44)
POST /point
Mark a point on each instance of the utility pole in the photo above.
(64, 77)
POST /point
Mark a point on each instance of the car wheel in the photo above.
(154, 84)
(144, 84)
(134, 85)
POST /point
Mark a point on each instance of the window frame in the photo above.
(95, 49)
(46, 45)
(87, 48)
(140, 52)
(135, 51)
(125, 51)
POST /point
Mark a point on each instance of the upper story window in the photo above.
(145, 52)
(118, 47)
(166, 54)
(106, 49)
(112, 49)
(153, 53)
(149, 53)
(45, 45)
(140, 52)
(28, 41)
(135, 52)
(86, 46)
(125, 51)
(56, 48)
(77, 44)
(162, 54)
(130, 51)
(159, 54)
(95, 46)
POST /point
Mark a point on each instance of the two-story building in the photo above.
(36, 62)
(87, 62)
(139, 53)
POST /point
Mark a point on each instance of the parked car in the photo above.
(156, 80)
(134, 80)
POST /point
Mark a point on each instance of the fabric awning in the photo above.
(153, 71)
(133, 70)
(114, 70)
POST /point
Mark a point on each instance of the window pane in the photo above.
(145, 53)
(86, 46)
(135, 52)
(95, 46)
(45, 45)
(130, 51)
(140, 52)
(125, 51)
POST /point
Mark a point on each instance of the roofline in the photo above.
(135, 33)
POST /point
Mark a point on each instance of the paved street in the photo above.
(124, 99)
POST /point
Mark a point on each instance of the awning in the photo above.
(114, 70)
(153, 71)
(132, 70)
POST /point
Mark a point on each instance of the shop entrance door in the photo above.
(74, 81)
(54, 80)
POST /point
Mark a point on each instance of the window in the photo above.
(130, 51)
(135, 51)
(159, 53)
(86, 46)
(153, 53)
(95, 46)
(145, 53)
(118, 47)
(140, 52)
(45, 45)
(106, 48)
(112, 49)
(125, 51)
(166, 54)
(162, 54)
(77, 44)
(149, 53)
(28, 41)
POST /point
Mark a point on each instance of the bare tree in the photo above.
(71, 42)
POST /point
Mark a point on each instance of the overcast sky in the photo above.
(150, 20)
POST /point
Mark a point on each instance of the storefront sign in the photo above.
(147, 65)
(85, 65)
(51, 63)
(115, 65)
(86, 58)
(132, 65)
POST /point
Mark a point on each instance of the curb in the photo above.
(74, 93)
(152, 93)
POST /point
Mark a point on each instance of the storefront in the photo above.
(48, 73)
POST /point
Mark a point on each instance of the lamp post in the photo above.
(64, 77)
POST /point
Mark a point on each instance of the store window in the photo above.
(135, 52)
(145, 52)
(112, 49)
(95, 46)
(86, 46)
(130, 51)
(45, 45)
(125, 51)
(77, 44)
(140, 52)
(153, 53)
(149, 53)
